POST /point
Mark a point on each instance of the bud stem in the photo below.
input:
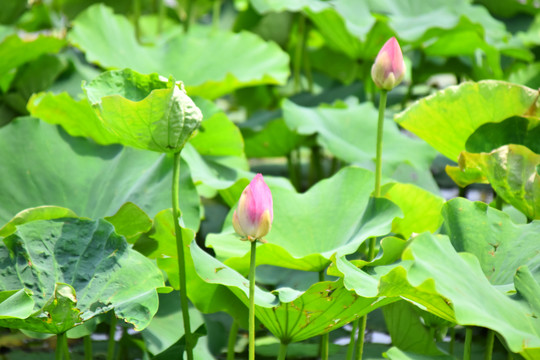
(378, 159)
(181, 257)
(252, 266)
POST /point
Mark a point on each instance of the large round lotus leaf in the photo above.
(460, 279)
(93, 180)
(76, 269)
(144, 111)
(335, 215)
(210, 64)
(511, 170)
(449, 117)
(500, 245)
(291, 315)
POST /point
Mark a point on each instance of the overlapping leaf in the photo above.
(76, 269)
(47, 167)
(449, 117)
(210, 64)
(291, 315)
(511, 170)
(500, 245)
(336, 215)
(350, 134)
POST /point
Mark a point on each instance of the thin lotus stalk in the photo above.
(252, 266)
(362, 325)
(59, 353)
(161, 16)
(252, 220)
(352, 341)
(67, 355)
(112, 342)
(490, 340)
(216, 13)
(291, 165)
(136, 19)
(233, 334)
(282, 355)
(189, 10)
(378, 156)
(468, 344)
(181, 256)
(325, 338)
(87, 340)
(452, 340)
(298, 50)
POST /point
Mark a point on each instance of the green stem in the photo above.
(378, 159)
(489, 344)
(468, 343)
(87, 347)
(189, 9)
(307, 63)
(136, 18)
(161, 16)
(299, 47)
(316, 164)
(282, 355)
(352, 341)
(233, 333)
(325, 338)
(216, 10)
(452, 340)
(361, 335)
(498, 202)
(252, 266)
(112, 332)
(181, 256)
(292, 170)
(59, 353)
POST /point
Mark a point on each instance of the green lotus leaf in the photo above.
(93, 180)
(512, 172)
(460, 279)
(335, 215)
(397, 354)
(215, 153)
(447, 119)
(421, 209)
(76, 269)
(500, 245)
(244, 59)
(291, 315)
(15, 51)
(144, 111)
(350, 134)
(16, 304)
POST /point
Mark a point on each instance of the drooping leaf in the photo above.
(500, 245)
(94, 181)
(77, 269)
(244, 59)
(512, 172)
(211, 285)
(144, 111)
(350, 134)
(336, 215)
(448, 118)
(16, 304)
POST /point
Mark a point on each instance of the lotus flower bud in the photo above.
(389, 67)
(253, 217)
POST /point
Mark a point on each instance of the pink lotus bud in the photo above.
(389, 67)
(254, 214)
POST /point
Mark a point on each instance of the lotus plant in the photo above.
(252, 220)
(387, 72)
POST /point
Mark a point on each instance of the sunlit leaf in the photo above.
(210, 64)
(512, 172)
(449, 117)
